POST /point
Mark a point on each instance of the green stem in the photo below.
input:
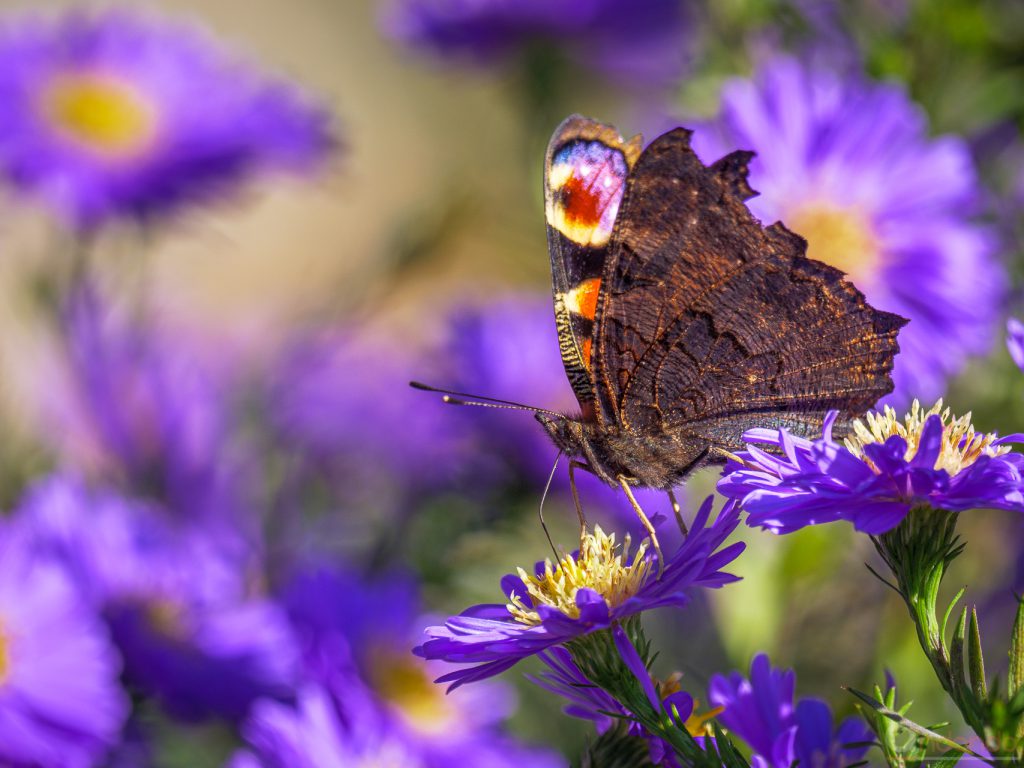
(599, 660)
(918, 553)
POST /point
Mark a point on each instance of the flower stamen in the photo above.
(961, 445)
(601, 565)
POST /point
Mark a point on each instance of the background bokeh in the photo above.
(417, 251)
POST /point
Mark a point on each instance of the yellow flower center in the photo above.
(102, 114)
(601, 566)
(5, 655)
(697, 724)
(839, 236)
(406, 683)
(167, 617)
(961, 445)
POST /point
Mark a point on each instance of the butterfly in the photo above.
(682, 321)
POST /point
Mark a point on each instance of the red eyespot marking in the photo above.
(588, 345)
(581, 205)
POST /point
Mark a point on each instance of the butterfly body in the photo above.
(647, 460)
(682, 321)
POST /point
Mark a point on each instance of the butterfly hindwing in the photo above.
(710, 323)
(585, 174)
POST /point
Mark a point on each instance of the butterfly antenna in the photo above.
(540, 510)
(456, 398)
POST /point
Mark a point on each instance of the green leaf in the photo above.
(975, 660)
(946, 760)
(956, 652)
(910, 725)
(1016, 677)
(949, 610)
(616, 748)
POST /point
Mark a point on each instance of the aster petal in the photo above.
(929, 444)
(636, 665)
(1015, 340)
(680, 706)
(876, 518)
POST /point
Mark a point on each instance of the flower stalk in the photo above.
(919, 552)
(600, 659)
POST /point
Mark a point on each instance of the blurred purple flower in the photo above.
(179, 599)
(328, 727)
(761, 711)
(371, 625)
(60, 703)
(315, 733)
(139, 408)
(848, 165)
(342, 403)
(1015, 340)
(509, 349)
(586, 592)
(885, 468)
(114, 113)
(644, 41)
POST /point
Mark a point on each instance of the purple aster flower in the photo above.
(882, 470)
(100, 116)
(370, 625)
(314, 733)
(585, 592)
(762, 712)
(849, 165)
(643, 41)
(509, 349)
(136, 407)
(1015, 340)
(327, 728)
(344, 404)
(60, 703)
(178, 598)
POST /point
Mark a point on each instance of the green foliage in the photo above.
(616, 748)
(599, 659)
(904, 743)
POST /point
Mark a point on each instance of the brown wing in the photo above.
(711, 323)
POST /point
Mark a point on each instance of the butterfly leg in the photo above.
(729, 456)
(540, 510)
(645, 521)
(573, 466)
(677, 512)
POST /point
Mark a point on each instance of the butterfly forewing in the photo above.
(710, 323)
(585, 174)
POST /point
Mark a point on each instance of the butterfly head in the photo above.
(567, 433)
